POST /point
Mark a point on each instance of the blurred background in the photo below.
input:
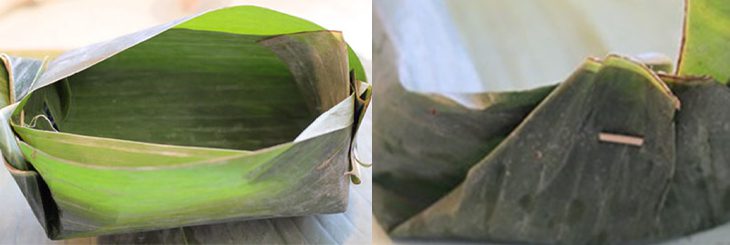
(495, 45)
(38, 27)
(67, 24)
(457, 47)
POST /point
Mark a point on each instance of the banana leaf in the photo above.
(430, 141)
(699, 193)
(238, 113)
(704, 47)
(562, 184)
(539, 171)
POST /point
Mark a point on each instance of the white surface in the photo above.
(432, 56)
(493, 45)
(67, 24)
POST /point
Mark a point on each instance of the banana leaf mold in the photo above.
(237, 113)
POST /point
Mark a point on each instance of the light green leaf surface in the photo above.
(706, 43)
(99, 199)
(191, 125)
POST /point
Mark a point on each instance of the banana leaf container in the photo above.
(233, 114)
(625, 150)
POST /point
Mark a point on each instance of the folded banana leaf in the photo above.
(430, 142)
(238, 113)
(533, 166)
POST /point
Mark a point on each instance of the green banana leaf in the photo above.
(563, 185)
(704, 49)
(540, 174)
(430, 141)
(700, 191)
(238, 113)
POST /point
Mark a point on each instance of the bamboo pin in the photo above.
(621, 139)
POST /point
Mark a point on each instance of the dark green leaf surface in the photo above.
(20, 73)
(699, 195)
(428, 142)
(319, 81)
(552, 180)
(260, 21)
(4, 82)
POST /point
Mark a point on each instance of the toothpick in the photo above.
(621, 139)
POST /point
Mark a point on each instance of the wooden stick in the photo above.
(621, 139)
